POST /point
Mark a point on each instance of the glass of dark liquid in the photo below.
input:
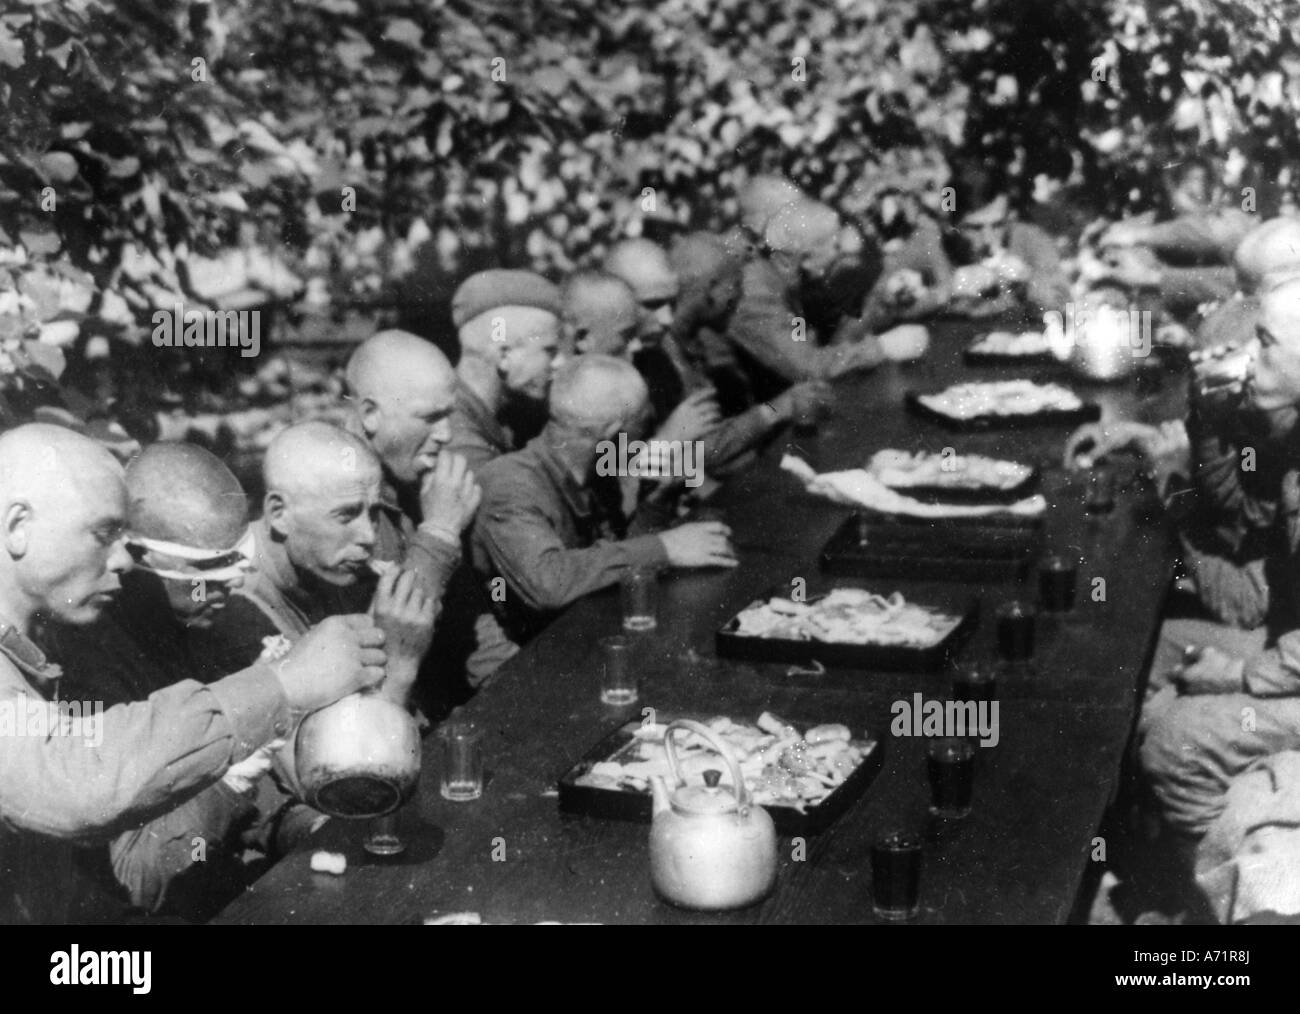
(896, 875)
(1016, 632)
(974, 680)
(1101, 490)
(951, 764)
(1057, 576)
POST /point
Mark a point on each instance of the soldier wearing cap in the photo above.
(508, 323)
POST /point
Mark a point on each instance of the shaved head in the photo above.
(322, 500)
(184, 494)
(801, 227)
(762, 197)
(403, 390)
(593, 393)
(600, 313)
(645, 267)
(710, 268)
(310, 455)
(392, 364)
(1269, 252)
(63, 517)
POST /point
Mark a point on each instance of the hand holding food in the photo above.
(405, 614)
(449, 496)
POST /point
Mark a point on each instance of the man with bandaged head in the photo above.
(64, 511)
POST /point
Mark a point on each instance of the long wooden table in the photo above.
(1040, 794)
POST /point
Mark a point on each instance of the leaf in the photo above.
(59, 166)
(404, 31)
(44, 243)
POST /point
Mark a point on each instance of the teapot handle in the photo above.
(721, 748)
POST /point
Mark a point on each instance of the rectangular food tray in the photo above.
(1087, 412)
(972, 358)
(886, 657)
(975, 550)
(621, 804)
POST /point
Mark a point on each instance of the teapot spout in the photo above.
(659, 789)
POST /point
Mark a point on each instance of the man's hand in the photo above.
(974, 282)
(405, 614)
(695, 418)
(1123, 234)
(243, 776)
(806, 401)
(860, 355)
(1209, 671)
(337, 657)
(1096, 440)
(449, 496)
(699, 544)
(1131, 267)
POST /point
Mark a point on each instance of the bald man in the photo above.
(402, 392)
(315, 556)
(188, 532)
(762, 197)
(1269, 254)
(775, 326)
(64, 508)
(1194, 740)
(599, 313)
(683, 397)
(508, 323)
(553, 529)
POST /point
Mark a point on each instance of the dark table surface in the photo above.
(1040, 793)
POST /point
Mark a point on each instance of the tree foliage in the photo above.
(380, 145)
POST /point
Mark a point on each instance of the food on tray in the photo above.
(780, 765)
(860, 488)
(1002, 397)
(901, 470)
(1006, 343)
(848, 616)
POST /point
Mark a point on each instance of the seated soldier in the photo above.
(188, 524)
(553, 528)
(728, 442)
(508, 324)
(401, 389)
(1004, 264)
(1235, 696)
(1185, 257)
(916, 274)
(770, 329)
(315, 549)
(64, 506)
